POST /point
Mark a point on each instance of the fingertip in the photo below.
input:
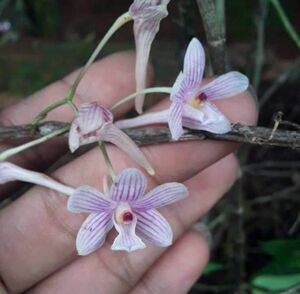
(241, 108)
(199, 252)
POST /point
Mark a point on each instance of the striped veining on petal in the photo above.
(129, 185)
(194, 63)
(226, 85)
(88, 199)
(160, 196)
(153, 228)
(93, 232)
(175, 120)
(90, 117)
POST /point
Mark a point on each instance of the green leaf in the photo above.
(275, 282)
(213, 267)
(285, 254)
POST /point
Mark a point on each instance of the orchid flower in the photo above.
(132, 213)
(191, 102)
(94, 123)
(147, 15)
(10, 172)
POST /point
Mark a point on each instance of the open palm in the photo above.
(37, 233)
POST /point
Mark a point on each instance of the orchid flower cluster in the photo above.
(127, 205)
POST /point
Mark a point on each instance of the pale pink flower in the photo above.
(94, 123)
(191, 102)
(132, 212)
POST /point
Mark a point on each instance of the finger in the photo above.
(61, 232)
(178, 269)
(106, 81)
(189, 253)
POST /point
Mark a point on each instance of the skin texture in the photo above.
(37, 248)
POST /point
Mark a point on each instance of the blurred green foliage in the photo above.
(44, 62)
(44, 16)
(283, 270)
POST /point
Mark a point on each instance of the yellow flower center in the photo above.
(198, 101)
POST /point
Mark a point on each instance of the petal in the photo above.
(147, 16)
(127, 239)
(226, 85)
(91, 116)
(88, 199)
(179, 89)
(129, 185)
(144, 120)
(175, 120)
(92, 233)
(110, 133)
(153, 228)
(140, 8)
(74, 137)
(160, 196)
(194, 63)
(208, 118)
(10, 172)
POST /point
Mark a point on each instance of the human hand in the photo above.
(37, 233)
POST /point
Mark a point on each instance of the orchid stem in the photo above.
(286, 22)
(12, 151)
(107, 161)
(166, 90)
(120, 21)
(43, 114)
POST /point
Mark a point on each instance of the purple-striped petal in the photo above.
(153, 228)
(144, 120)
(179, 89)
(207, 118)
(91, 117)
(92, 233)
(11, 172)
(74, 136)
(86, 126)
(87, 199)
(147, 16)
(160, 196)
(110, 133)
(194, 63)
(226, 85)
(175, 120)
(129, 185)
(127, 239)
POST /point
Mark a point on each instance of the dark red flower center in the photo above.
(202, 97)
(127, 216)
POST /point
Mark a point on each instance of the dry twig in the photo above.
(149, 136)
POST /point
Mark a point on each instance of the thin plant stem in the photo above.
(123, 19)
(215, 35)
(107, 161)
(220, 11)
(12, 151)
(165, 90)
(43, 114)
(260, 23)
(286, 22)
(120, 21)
